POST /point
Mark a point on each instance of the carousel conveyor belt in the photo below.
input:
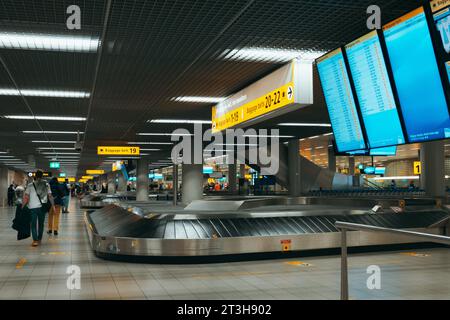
(117, 231)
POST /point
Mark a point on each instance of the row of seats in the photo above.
(398, 192)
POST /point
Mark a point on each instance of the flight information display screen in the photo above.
(388, 151)
(340, 102)
(417, 77)
(442, 20)
(374, 92)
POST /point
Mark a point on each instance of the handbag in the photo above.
(45, 206)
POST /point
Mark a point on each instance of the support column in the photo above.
(142, 180)
(192, 184)
(232, 178)
(175, 184)
(432, 158)
(351, 166)
(4, 184)
(122, 185)
(331, 159)
(294, 168)
(111, 182)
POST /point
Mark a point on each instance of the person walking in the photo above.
(37, 197)
(58, 193)
(66, 199)
(11, 193)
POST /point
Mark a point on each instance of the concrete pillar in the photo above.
(192, 184)
(112, 183)
(175, 184)
(232, 178)
(331, 159)
(294, 168)
(142, 180)
(4, 184)
(351, 166)
(122, 185)
(432, 158)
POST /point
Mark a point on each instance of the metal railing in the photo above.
(345, 226)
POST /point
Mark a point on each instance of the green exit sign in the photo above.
(54, 165)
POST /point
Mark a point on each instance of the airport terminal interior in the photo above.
(224, 150)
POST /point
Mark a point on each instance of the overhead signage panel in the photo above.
(285, 90)
(118, 151)
(340, 102)
(95, 172)
(374, 92)
(417, 77)
(437, 5)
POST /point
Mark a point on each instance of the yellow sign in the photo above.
(417, 168)
(62, 180)
(120, 151)
(271, 101)
(87, 177)
(437, 5)
(95, 172)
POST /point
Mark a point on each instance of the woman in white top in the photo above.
(36, 196)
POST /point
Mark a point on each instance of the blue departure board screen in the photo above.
(417, 78)
(340, 102)
(388, 151)
(442, 20)
(374, 92)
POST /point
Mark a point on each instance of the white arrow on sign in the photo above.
(290, 93)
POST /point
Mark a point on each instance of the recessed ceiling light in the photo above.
(180, 121)
(193, 99)
(50, 118)
(269, 54)
(48, 42)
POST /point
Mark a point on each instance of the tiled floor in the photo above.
(40, 273)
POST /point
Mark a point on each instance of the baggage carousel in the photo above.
(129, 230)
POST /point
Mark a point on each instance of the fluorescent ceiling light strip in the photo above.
(51, 132)
(260, 54)
(267, 136)
(150, 143)
(50, 118)
(325, 125)
(50, 148)
(54, 141)
(196, 99)
(44, 93)
(165, 134)
(7, 157)
(169, 121)
(48, 42)
(61, 153)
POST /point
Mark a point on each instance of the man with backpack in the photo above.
(58, 193)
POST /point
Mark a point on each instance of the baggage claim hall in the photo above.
(224, 150)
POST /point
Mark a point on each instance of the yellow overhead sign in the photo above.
(95, 172)
(62, 180)
(271, 101)
(437, 5)
(119, 151)
(417, 168)
(87, 177)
